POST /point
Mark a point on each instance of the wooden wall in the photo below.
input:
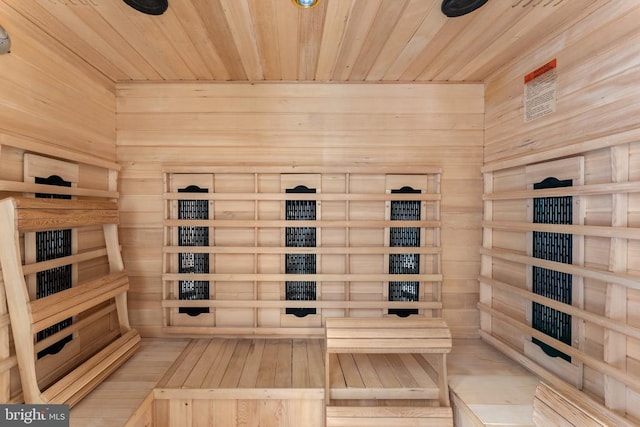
(53, 104)
(596, 119)
(300, 124)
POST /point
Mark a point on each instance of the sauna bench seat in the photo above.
(387, 371)
(247, 368)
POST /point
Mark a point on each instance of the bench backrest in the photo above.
(20, 215)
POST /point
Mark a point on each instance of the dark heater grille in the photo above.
(409, 237)
(300, 237)
(51, 245)
(549, 283)
(189, 262)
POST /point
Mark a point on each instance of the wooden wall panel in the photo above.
(301, 124)
(51, 96)
(55, 104)
(596, 117)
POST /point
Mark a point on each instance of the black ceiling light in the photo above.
(150, 7)
(453, 8)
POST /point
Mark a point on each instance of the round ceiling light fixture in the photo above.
(306, 4)
(453, 8)
(150, 7)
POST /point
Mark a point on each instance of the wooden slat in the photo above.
(46, 214)
(256, 168)
(355, 345)
(344, 416)
(549, 406)
(74, 327)
(605, 322)
(54, 205)
(102, 364)
(585, 230)
(301, 196)
(24, 187)
(578, 190)
(54, 308)
(632, 381)
(249, 277)
(59, 262)
(605, 276)
(230, 223)
(300, 304)
(361, 250)
(387, 322)
(388, 333)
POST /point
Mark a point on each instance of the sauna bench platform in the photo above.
(281, 368)
(247, 369)
(473, 366)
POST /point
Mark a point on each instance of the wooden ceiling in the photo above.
(273, 40)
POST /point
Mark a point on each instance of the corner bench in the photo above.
(387, 359)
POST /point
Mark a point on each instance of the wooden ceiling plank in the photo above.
(191, 21)
(176, 29)
(146, 38)
(383, 24)
(64, 24)
(418, 45)
(335, 23)
(288, 42)
(486, 25)
(310, 36)
(358, 26)
(242, 29)
(35, 26)
(539, 22)
(34, 51)
(406, 27)
(220, 37)
(266, 26)
(448, 33)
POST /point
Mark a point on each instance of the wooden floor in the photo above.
(487, 388)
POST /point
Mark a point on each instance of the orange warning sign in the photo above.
(540, 71)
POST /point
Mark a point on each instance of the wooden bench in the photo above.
(28, 317)
(411, 350)
(571, 407)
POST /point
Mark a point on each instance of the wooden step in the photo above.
(396, 416)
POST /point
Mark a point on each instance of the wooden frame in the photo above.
(429, 340)
(247, 249)
(28, 317)
(606, 195)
